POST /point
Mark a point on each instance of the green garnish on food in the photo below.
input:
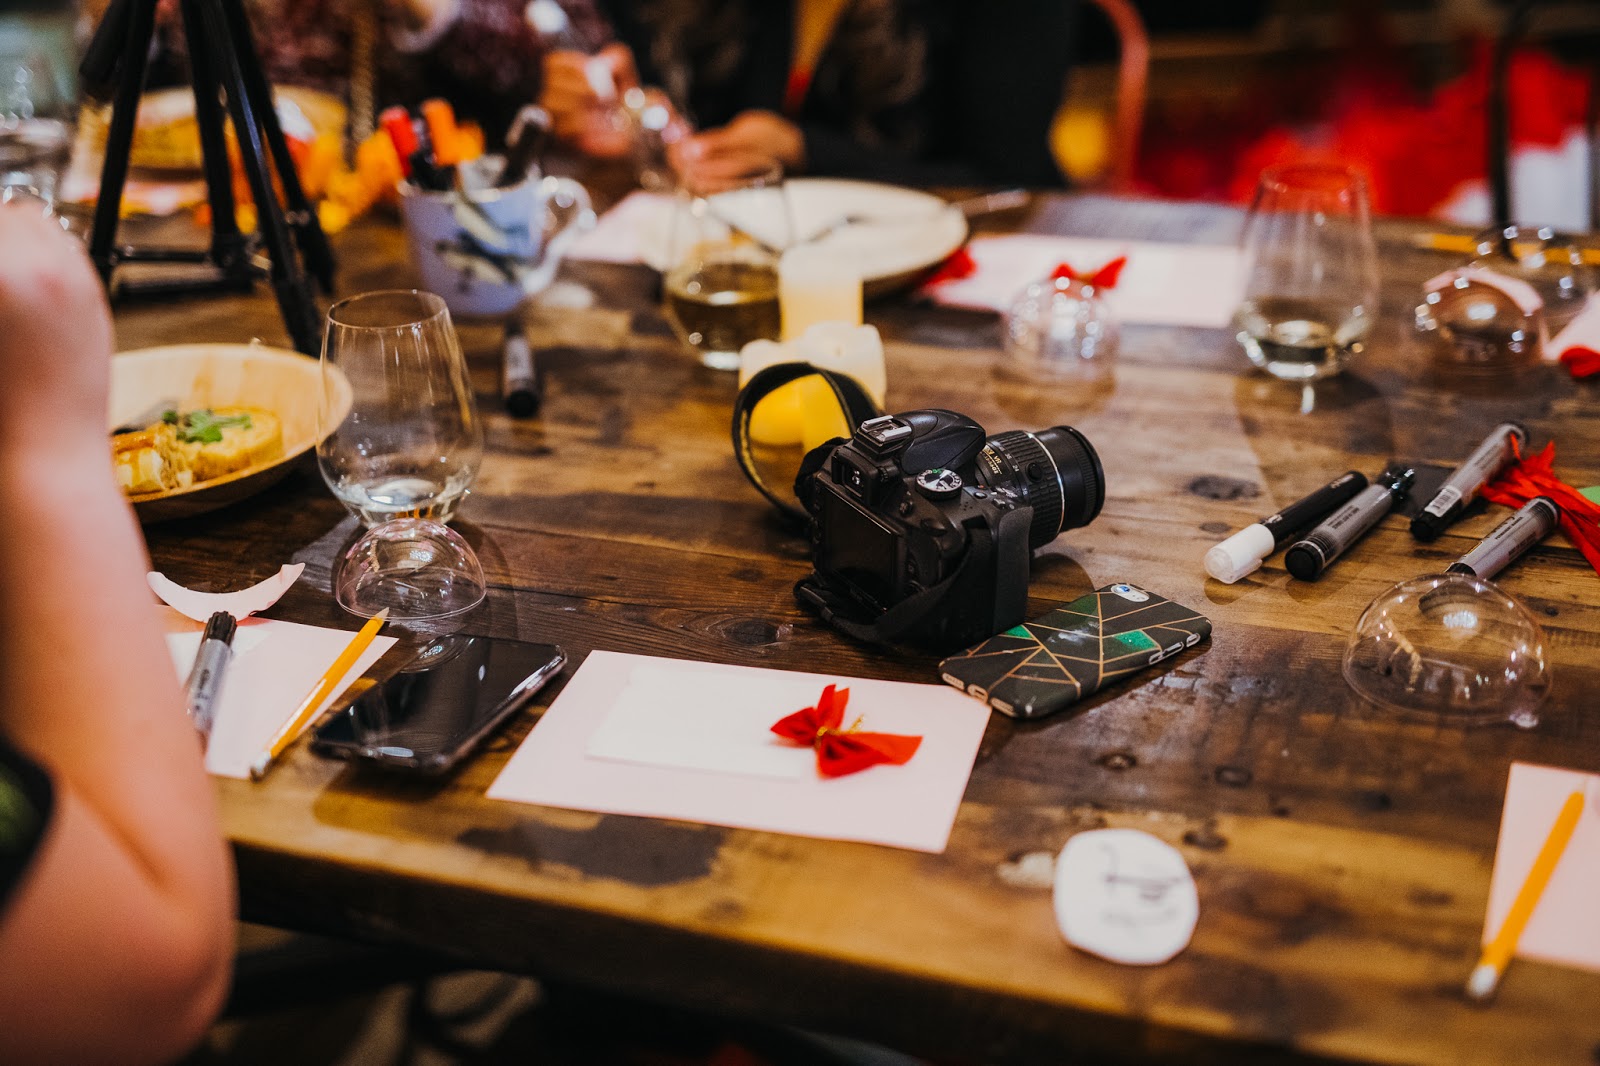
(203, 426)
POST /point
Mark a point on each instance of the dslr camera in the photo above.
(923, 528)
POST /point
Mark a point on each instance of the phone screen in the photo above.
(428, 719)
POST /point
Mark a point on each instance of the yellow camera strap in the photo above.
(856, 405)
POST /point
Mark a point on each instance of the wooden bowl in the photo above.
(188, 376)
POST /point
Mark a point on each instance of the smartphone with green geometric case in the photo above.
(1075, 650)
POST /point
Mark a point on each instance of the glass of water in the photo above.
(37, 118)
(400, 442)
(1312, 291)
(411, 442)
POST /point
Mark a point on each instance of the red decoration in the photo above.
(843, 751)
(959, 264)
(1580, 516)
(1581, 362)
(1104, 278)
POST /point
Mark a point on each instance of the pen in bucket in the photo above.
(396, 122)
(525, 142)
(521, 383)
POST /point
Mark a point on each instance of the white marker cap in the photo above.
(1240, 554)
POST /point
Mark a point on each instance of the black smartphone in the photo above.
(427, 720)
(1075, 650)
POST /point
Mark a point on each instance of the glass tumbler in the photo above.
(411, 442)
(1312, 290)
(721, 283)
(38, 99)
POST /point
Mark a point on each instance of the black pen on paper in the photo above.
(204, 687)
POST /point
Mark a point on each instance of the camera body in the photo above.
(923, 528)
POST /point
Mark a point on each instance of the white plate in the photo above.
(901, 232)
(190, 376)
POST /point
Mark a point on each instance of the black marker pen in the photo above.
(204, 686)
(1467, 480)
(520, 381)
(1534, 521)
(1243, 552)
(1309, 557)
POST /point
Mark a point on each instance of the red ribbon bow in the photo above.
(1104, 278)
(843, 751)
(1534, 476)
(1581, 362)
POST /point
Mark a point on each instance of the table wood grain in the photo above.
(1342, 856)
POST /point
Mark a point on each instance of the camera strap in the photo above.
(853, 401)
(899, 621)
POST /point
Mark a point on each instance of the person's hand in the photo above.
(753, 140)
(421, 13)
(55, 339)
(580, 113)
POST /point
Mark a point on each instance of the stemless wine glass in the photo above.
(1312, 290)
(403, 456)
(721, 281)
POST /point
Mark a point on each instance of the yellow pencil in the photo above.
(1492, 964)
(1468, 245)
(323, 688)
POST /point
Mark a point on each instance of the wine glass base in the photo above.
(421, 571)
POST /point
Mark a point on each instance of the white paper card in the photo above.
(274, 667)
(659, 723)
(723, 725)
(1162, 285)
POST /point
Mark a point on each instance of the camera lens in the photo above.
(1055, 471)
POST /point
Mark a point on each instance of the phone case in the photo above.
(1075, 650)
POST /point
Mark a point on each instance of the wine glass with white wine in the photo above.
(721, 282)
(1312, 291)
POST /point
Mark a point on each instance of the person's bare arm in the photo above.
(115, 946)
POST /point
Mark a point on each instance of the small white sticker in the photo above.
(1444, 501)
(1131, 594)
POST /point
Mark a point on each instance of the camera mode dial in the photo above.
(939, 484)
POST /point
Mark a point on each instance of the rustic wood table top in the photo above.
(1342, 856)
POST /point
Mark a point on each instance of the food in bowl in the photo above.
(190, 447)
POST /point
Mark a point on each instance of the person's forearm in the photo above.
(89, 688)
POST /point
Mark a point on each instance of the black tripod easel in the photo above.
(226, 74)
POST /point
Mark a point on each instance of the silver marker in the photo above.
(1308, 557)
(204, 687)
(1534, 521)
(1498, 451)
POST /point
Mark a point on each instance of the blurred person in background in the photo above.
(481, 55)
(912, 91)
(116, 889)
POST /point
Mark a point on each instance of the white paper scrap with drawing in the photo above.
(1162, 285)
(274, 666)
(1126, 896)
(665, 738)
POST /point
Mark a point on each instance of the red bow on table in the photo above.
(1104, 278)
(1581, 362)
(843, 751)
(1534, 476)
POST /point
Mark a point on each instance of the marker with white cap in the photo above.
(1244, 552)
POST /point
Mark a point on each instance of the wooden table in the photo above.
(1342, 856)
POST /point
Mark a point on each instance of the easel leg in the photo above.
(138, 20)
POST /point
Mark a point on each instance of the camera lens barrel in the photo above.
(1055, 471)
